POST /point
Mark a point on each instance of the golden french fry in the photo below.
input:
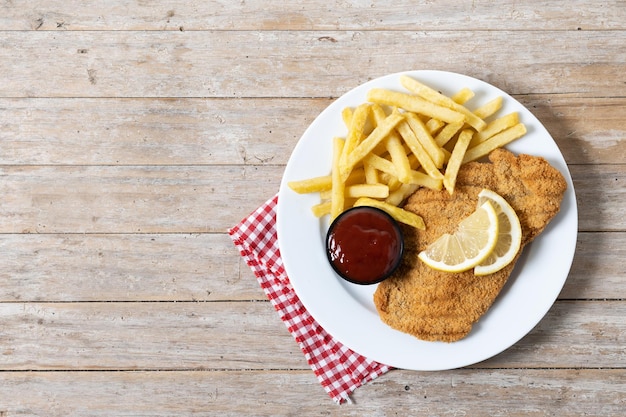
(495, 127)
(399, 142)
(433, 125)
(414, 104)
(425, 180)
(494, 142)
(346, 116)
(311, 185)
(447, 133)
(436, 97)
(357, 176)
(463, 96)
(391, 180)
(398, 157)
(397, 213)
(321, 209)
(418, 150)
(338, 185)
(367, 190)
(397, 196)
(371, 173)
(378, 113)
(490, 108)
(369, 143)
(427, 141)
(355, 131)
(381, 164)
(452, 170)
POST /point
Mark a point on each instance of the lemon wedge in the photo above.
(509, 234)
(472, 242)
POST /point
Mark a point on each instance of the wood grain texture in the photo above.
(78, 267)
(134, 134)
(168, 199)
(259, 131)
(74, 267)
(57, 15)
(249, 335)
(227, 64)
(200, 393)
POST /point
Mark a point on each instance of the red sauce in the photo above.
(364, 245)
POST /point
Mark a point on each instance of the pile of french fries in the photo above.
(400, 141)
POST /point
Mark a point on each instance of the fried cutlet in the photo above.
(441, 306)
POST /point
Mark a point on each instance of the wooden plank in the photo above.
(157, 336)
(598, 268)
(100, 199)
(313, 15)
(327, 64)
(587, 130)
(573, 334)
(250, 335)
(600, 193)
(207, 267)
(244, 131)
(197, 199)
(123, 267)
(507, 393)
(153, 131)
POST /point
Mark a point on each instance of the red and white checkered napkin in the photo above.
(339, 369)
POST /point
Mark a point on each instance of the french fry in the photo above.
(426, 180)
(490, 108)
(463, 96)
(497, 141)
(369, 143)
(311, 185)
(418, 150)
(436, 97)
(449, 178)
(321, 209)
(495, 127)
(427, 141)
(381, 164)
(394, 147)
(398, 157)
(401, 193)
(371, 173)
(367, 190)
(447, 133)
(414, 104)
(398, 142)
(357, 176)
(338, 184)
(397, 213)
(346, 116)
(355, 131)
(391, 180)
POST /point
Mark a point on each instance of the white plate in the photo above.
(347, 311)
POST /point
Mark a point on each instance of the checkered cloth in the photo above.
(339, 369)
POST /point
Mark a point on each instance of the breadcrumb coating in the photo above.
(440, 306)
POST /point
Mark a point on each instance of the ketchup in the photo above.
(364, 245)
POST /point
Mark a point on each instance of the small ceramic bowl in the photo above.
(364, 245)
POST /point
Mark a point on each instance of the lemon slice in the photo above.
(509, 235)
(471, 243)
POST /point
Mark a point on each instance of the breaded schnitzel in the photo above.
(441, 306)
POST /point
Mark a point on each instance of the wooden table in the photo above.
(135, 134)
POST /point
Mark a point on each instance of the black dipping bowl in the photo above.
(364, 245)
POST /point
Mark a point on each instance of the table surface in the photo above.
(135, 134)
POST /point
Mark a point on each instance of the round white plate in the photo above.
(347, 311)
